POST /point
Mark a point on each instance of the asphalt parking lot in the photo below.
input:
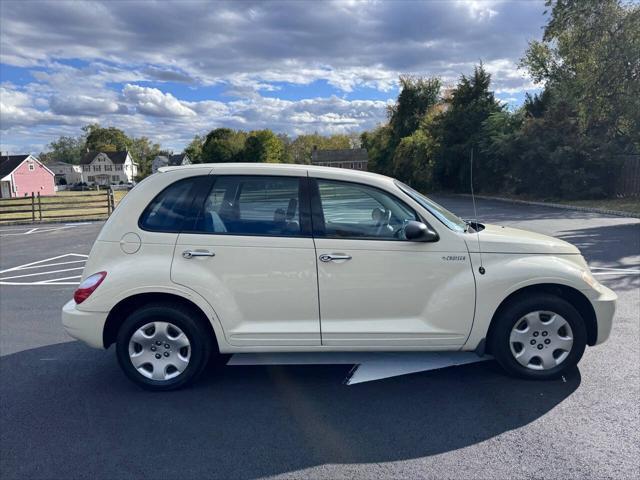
(66, 411)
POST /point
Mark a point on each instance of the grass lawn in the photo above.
(119, 195)
(630, 205)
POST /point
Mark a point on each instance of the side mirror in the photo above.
(419, 232)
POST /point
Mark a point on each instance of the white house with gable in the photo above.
(169, 161)
(66, 173)
(104, 168)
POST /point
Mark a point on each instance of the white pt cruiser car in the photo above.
(206, 260)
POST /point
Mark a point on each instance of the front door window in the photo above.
(356, 211)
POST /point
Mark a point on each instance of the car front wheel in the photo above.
(538, 336)
(162, 347)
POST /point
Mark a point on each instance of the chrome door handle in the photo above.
(329, 257)
(197, 253)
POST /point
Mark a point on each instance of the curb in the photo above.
(561, 206)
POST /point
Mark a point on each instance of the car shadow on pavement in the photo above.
(616, 246)
(68, 412)
(610, 244)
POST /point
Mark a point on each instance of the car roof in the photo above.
(267, 168)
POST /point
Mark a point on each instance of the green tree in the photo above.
(143, 151)
(108, 139)
(459, 129)
(590, 57)
(535, 105)
(223, 145)
(589, 111)
(556, 159)
(286, 145)
(65, 149)
(194, 149)
(417, 96)
(263, 146)
(498, 147)
(380, 149)
(412, 160)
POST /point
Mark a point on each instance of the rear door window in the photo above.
(254, 205)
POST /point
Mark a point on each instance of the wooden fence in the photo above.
(70, 206)
(628, 182)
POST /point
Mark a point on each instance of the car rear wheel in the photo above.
(538, 336)
(163, 347)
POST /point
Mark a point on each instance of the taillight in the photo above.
(88, 286)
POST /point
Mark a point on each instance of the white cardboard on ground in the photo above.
(369, 365)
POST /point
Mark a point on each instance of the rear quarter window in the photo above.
(168, 211)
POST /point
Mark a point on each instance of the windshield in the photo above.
(451, 220)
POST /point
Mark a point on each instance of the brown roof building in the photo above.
(355, 158)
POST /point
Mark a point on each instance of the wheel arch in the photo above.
(576, 298)
(126, 306)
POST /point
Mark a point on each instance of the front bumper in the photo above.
(604, 306)
(85, 326)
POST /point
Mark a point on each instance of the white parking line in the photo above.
(614, 271)
(63, 278)
(41, 273)
(22, 267)
(55, 281)
(45, 265)
(8, 232)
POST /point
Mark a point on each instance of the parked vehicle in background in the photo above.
(223, 258)
(78, 187)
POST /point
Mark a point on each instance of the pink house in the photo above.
(21, 175)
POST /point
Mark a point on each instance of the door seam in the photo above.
(315, 256)
(318, 289)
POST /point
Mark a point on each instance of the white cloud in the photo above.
(480, 10)
(13, 98)
(84, 105)
(90, 61)
(346, 44)
(17, 110)
(151, 101)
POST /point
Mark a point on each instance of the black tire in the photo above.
(517, 308)
(201, 344)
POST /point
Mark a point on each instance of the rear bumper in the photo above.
(605, 308)
(85, 326)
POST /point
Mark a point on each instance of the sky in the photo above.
(170, 70)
